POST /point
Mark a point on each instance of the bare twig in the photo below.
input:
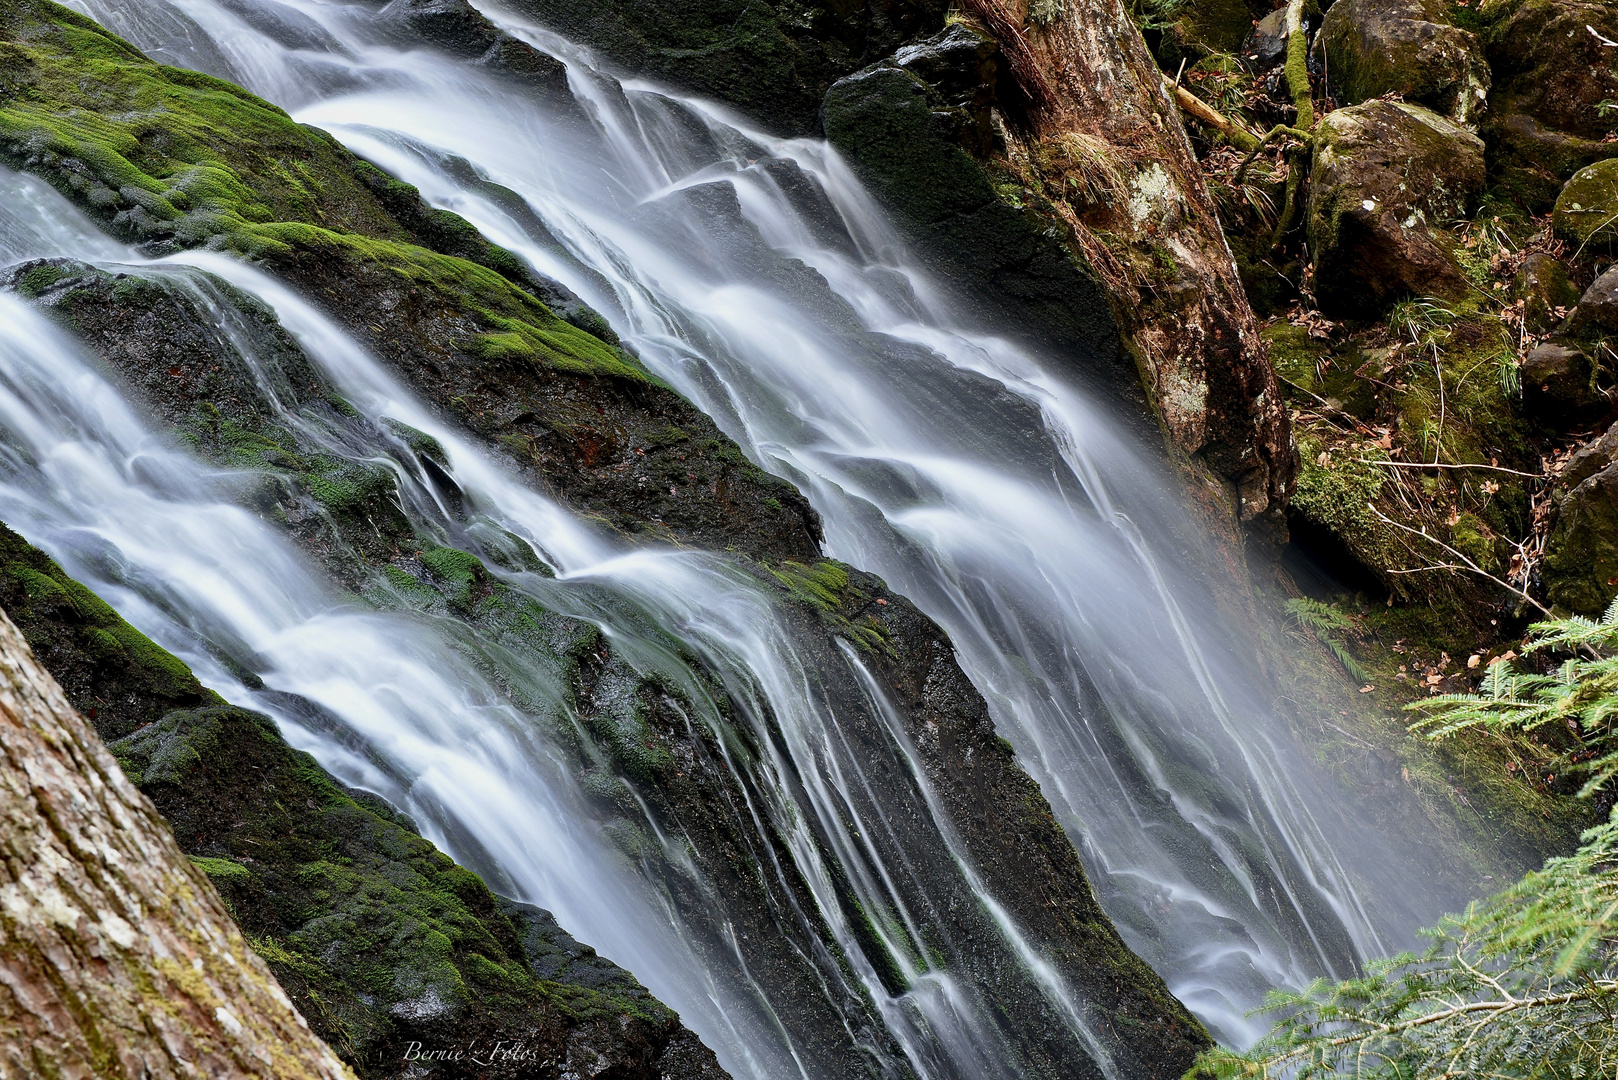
(1445, 465)
(1470, 565)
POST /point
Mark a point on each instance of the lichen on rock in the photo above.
(1408, 47)
(1375, 235)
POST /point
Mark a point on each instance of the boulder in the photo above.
(1587, 209)
(1598, 307)
(1542, 285)
(1209, 27)
(1551, 75)
(1581, 558)
(1266, 46)
(1408, 47)
(1374, 235)
(461, 30)
(1556, 382)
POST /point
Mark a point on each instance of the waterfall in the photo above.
(979, 479)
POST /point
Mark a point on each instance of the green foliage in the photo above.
(1325, 622)
(1523, 984)
(827, 588)
(1419, 317)
(1579, 697)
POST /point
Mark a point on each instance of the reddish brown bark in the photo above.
(117, 959)
(1152, 232)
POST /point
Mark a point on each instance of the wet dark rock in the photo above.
(461, 30)
(1556, 382)
(1408, 47)
(1598, 307)
(1543, 286)
(1586, 212)
(1551, 75)
(1581, 557)
(771, 59)
(903, 138)
(1266, 46)
(1374, 235)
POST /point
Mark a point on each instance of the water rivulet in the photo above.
(754, 276)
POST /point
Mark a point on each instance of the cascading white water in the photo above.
(156, 533)
(755, 276)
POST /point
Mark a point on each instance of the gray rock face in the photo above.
(1598, 307)
(1409, 47)
(1581, 558)
(1375, 235)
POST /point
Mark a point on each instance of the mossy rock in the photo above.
(1586, 212)
(1211, 27)
(380, 938)
(111, 672)
(1408, 47)
(170, 158)
(1375, 236)
(1581, 556)
(1555, 88)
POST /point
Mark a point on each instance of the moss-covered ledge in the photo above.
(380, 939)
(172, 159)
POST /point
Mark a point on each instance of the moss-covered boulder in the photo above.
(1586, 212)
(1374, 234)
(1556, 384)
(1408, 47)
(1554, 88)
(117, 676)
(1581, 557)
(1208, 27)
(1546, 291)
(380, 938)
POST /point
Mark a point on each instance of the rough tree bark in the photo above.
(117, 959)
(1154, 237)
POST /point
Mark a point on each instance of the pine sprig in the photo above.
(1522, 985)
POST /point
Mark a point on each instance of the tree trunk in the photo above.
(116, 957)
(1100, 113)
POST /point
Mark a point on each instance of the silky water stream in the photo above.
(978, 479)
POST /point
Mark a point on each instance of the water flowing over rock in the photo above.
(423, 491)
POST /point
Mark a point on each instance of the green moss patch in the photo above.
(114, 674)
(175, 159)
